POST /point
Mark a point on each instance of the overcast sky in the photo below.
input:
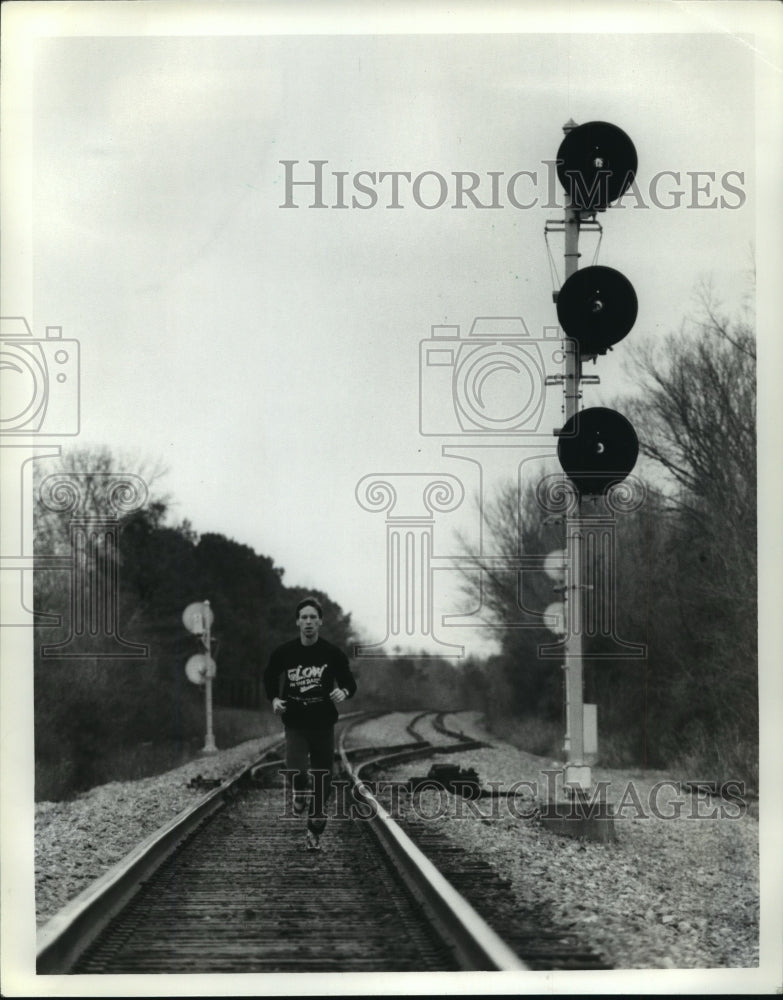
(268, 357)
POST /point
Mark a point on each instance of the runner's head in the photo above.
(309, 618)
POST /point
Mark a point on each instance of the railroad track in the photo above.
(227, 888)
(436, 733)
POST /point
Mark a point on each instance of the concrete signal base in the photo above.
(581, 819)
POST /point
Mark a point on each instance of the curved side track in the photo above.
(437, 734)
(411, 727)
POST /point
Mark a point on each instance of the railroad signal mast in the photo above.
(597, 447)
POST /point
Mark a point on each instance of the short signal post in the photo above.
(201, 668)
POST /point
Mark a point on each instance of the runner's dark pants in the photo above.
(311, 750)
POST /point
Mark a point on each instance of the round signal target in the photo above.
(596, 165)
(597, 448)
(597, 307)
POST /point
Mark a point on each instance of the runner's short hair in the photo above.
(310, 602)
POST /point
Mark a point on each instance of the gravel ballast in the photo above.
(677, 893)
(76, 841)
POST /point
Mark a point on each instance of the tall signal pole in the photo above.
(597, 448)
(209, 739)
(577, 773)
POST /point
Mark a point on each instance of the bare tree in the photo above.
(695, 414)
(88, 469)
(519, 681)
(93, 485)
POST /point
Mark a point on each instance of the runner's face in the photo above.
(309, 623)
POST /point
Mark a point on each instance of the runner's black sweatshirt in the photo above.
(304, 676)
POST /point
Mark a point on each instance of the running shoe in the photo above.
(312, 841)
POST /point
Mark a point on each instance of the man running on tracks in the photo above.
(305, 679)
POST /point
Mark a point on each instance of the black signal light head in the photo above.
(597, 307)
(597, 448)
(596, 165)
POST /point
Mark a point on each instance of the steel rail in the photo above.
(411, 727)
(439, 725)
(463, 742)
(475, 944)
(63, 938)
(412, 752)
